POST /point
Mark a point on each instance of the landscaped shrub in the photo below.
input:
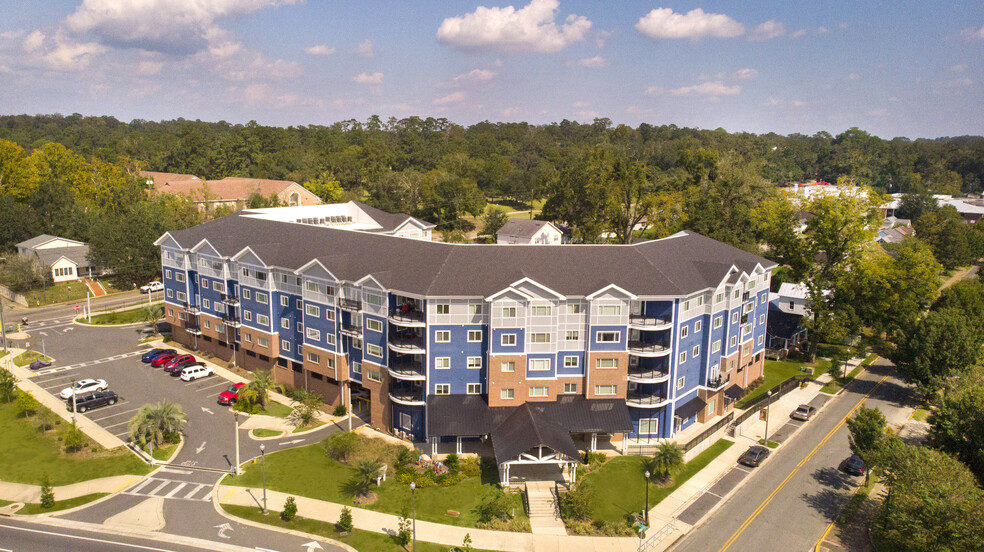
(575, 504)
(404, 531)
(26, 404)
(495, 505)
(515, 525)
(594, 459)
(489, 466)
(290, 509)
(345, 520)
(471, 468)
(449, 479)
(341, 445)
(751, 386)
(612, 529)
(405, 456)
(340, 410)
(8, 385)
(451, 461)
(74, 439)
(47, 494)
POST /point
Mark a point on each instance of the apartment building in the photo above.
(450, 342)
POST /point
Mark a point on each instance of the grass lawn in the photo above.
(776, 372)
(27, 455)
(771, 445)
(164, 453)
(307, 471)
(58, 293)
(130, 316)
(275, 409)
(28, 357)
(302, 429)
(920, 414)
(616, 487)
(359, 539)
(850, 509)
(837, 384)
(31, 508)
(260, 432)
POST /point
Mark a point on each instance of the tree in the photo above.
(23, 273)
(306, 405)
(26, 404)
(344, 524)
(720, 199)
(261, 384)
(366, 472)
(154, 315)
(447, 197)
(576, 504)
(914, 204)
(946, 233)
(74, 438)
(942, 345)
(957, 426)
(290, 509)
(966, 296)
(404, 529)
(8, 385)
(495, 505)
(156, 423)
(867, 438)
(492, 221)
(776, 220)
(47, 494)
(455, 236)
(326, 187)
(667, 459)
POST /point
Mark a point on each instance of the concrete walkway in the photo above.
(20, 492)
(544, 510)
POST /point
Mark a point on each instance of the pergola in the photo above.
(524, 438)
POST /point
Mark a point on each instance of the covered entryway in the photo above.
(524, 439)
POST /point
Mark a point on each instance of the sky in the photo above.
(904, 68)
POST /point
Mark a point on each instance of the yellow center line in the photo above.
(802, 462)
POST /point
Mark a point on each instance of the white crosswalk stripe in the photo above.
(171, 488)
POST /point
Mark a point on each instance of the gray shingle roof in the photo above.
(680, 264)
(388, 221)
(78, 255)
(524, 430)
(523, 228)
(36, 241)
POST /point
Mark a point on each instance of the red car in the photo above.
(171, 364)
(231, 394)
(161, 360)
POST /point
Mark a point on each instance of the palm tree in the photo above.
(366, 472)
(262, 381)
(155, 421)
(667, 459)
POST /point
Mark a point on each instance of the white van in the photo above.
(196, 371)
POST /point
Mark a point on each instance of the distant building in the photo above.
(353, 215)
(67, 259)
(971, 209)
(806, 192)
(529, 232)
(785, 330)
(231, 192)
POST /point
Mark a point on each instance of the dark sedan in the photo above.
(92, 400)
(152, 354)
(754, 456)
(854, 465)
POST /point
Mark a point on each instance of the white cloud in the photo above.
(854, 76)
(148, 68)
(581, 105)
(972, 33)
(745, 74)
(711, 89)
(364, 49)
(531, 28)
(960, 82)
(822, 30)
(601, 38)
(959, 68)
(59, 52)
(454, 98)
(798, 34)
(319, 50)
(772, 101)
(368, 78)
(596, 61)
(262, 94)
(587, 115)
(665, 23)
(34, 41)
(842, 26)
(475, 75)
(768, 30)
(510, 111)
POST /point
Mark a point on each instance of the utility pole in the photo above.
(88, 305)
(235, 413)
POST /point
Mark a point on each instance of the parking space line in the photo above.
(175, 490)
(116, 414)
(213, 386)
(114, 425)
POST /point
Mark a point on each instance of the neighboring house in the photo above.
(971, 209)
(529, 232)
(353, 215)
(451, 342)
(67, 259)
(230, 192)
(787, 308)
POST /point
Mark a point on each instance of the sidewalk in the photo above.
(20, 492)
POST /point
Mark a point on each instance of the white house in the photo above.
(353, 215)
(529, 232)
(67, 259)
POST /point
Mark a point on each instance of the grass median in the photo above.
(28, 357)
(32, 508)
(130, 316)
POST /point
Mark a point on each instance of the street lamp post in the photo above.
(73, 400)
(647, 498)
(413, 507)
(263, 468)
(768, 405)
(3, 328)
(235, 414)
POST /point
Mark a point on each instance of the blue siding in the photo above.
(458, 350)
(516, 349)
(620, 345)
(565, 371)
(416, 414)
(542, 374)
(291, 335)
(255, 308)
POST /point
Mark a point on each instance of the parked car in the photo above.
(152, 354)
(176, 360)
(152, 287)
(175, 369)
(39, 364)
(161, 360)
(754, 456)
(231, 394)
(195, 371)
(84, 386)
(92, 400)
(804, 412)
(854, 465)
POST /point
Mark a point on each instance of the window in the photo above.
(374, 325)
(698, 325)
(179, 276)
(330, 290)
(686, 305)
(443, 308)
(649, 425)
(608, 337)
(474, 336)
(245, 271)
(474, 362)
(507, 394)
(474, 309)
(737, 293)
(262, 298)
(716, 346)
(262, 342)
(606, 363)
(284, 301)
(248, 315)
(170, 312)
(205, 283)
(218, 286)
(442, 389)
(695, 352)
(374, 350)
(300, 327)
(540, 311)
(330, 339)
(710, 406)
(356, 343)
(570, 388)
(442, 336)
(311, 286)
(700, 300)
(374, 299)
(314, 375)
(573, 335)
(734, 317)
(313, 357)
(261, 276)
(761, 319)
(474, 388)
(219, 327)
(717, 322)
(539, 391)
(573, 308)
(538, 364)
(684, 331)
(329, 315)
(262, 319)
(509, 312)
(507, 339)
(540, 338)
(571, 362)
(681, 382)
(734, 341)
(719, 297)
(249, 336)
(285, 323)
(683, 357)
(330, 362)
(167, 273)
(610, 310)
(375, 375)
(182, 296)
(285, 345)
(606, 389)
(208, 324)
(170, 293)
(356, 367)
(759, 342)
(206, 304)
(313, 334)
(299, 303)
(508, 366)
(246, 293)
(442, 363)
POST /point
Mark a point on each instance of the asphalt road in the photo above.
(788, 502)
(20, 536)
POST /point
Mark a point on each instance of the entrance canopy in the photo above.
(523, 431)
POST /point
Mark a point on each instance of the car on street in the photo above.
(152, 287)
(92, 400)
(84, 386)
(161, 360)
(754, 456)
(176, 360)
(854, 465)
(195, 371)
(152, 354)
(231, 394)
(804, 412)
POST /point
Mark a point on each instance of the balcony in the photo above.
(407, 370)
(716, 382)
(408, 395)
(641, 399)
(351, 305)
(231, 300)
(639, 348)
(407, 344)
(351, 330)
(191, 309)
(193, 329)
(408, 317)
(640, 374)
(649, 323)
(232, 321)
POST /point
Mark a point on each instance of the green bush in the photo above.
(449, 479)
(494, 505)
(345, 520)
(47, 495)
(452, 463)
(406, 456)
(594, 459)
(471, 468)
(74, 439)
(26, 404)
(340, 410)
(341, 445)
(515, 525)
(404, 532)
(575, 504)
(489, 466)
(290, 509)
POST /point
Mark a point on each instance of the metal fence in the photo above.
(778, 391)
(708, 432)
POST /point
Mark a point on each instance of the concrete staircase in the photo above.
(541, 496)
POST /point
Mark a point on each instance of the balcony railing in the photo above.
(406, 344)
(405, 317)
(353, 305)
(354, 330)
(413, 396)
(645, 400)
(649, 349)
(717, 382)
(407, 369)
(191, 309)
(650, 322)
(193, 329)
(231, 300)
(232, 321)
(651, 374)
